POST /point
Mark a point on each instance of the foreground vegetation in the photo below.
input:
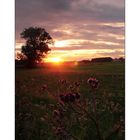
(81, 102)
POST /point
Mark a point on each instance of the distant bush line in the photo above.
(22, 63)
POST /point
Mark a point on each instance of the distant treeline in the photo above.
(22, 63)
(103, 59)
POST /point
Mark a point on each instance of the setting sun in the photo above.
(53, 60)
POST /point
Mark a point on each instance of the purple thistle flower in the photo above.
(69, 97)
(93, 82)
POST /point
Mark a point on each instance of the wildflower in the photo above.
(69, 97)
(93, 82)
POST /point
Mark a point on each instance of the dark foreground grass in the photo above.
(32, 102)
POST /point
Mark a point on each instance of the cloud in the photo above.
(89, 20)
(86, 54)
(60, 12)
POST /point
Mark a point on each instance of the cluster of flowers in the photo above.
(69, 97)
(93, 82)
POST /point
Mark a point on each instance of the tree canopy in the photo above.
(36, 46)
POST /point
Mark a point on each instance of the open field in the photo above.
(111, 76)
(30, 89)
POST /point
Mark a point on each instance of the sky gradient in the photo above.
(81, 29)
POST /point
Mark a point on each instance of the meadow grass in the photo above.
(111, 76)
(29, 83)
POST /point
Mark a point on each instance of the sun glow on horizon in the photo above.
(55, 60)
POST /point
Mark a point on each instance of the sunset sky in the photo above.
(81, 29)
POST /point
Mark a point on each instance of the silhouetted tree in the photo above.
(36, 46)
